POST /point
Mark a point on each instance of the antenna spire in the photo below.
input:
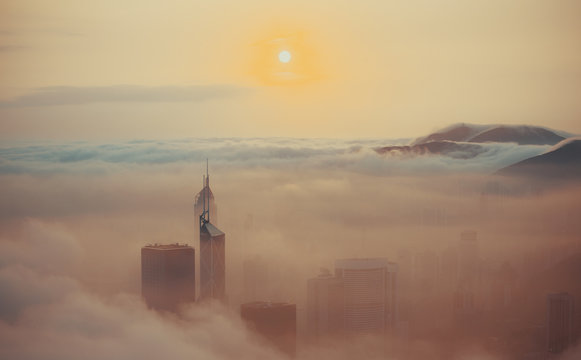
(207, 188)
(205, 216)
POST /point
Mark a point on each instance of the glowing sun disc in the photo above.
(284, 56)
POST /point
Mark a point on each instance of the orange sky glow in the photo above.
(364, 69)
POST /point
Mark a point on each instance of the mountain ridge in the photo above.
(562, 161)
(520, 134)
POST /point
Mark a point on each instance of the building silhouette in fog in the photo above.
(560, 315)
(325, 303)
(212, 250)
(449, 266)
(498, 285)
(275, 322)
(255, 282)
(468, 257)
(464, 310)
(361, 299)
(369, 294)
(168, 276)
(425, 271)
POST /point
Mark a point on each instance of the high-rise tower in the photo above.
(361, 299)
(168, 275)
(370, 294)
(212, 250)
(325, 307)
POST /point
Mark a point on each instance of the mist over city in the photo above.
(75, 216)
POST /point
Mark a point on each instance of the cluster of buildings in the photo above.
(460, 273)
(168, 278)
(361, 297)
(168, 272)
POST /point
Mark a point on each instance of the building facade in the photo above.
(325, 308)
(370, 294)
(212, 263)
(168, 276)
(274, 322)
(360, 299)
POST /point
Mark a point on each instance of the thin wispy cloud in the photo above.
(11, 48)
(73, 95)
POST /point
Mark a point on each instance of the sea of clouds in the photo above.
(74, 215)
(357, 155)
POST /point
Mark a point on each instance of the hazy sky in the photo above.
(150, 69)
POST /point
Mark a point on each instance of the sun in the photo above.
(284, 56)
(284, 59)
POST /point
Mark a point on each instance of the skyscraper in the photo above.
(212, 251)
(370, 294)
(361, 299)
(212, 262)
(276, 322)
(325, 303)
(168, 275)
(560, 315)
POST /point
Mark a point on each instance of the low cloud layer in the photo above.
(351, 155)
(44, 299)
(71, 95)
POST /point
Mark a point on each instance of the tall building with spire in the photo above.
(212, 248)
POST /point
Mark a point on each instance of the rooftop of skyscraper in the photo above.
(266, 304)
(167, 246)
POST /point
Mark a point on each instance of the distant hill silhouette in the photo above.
(563, 161)
(520, 134)
(457, 132)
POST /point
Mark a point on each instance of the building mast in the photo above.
(208, 188)
(205, 216)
